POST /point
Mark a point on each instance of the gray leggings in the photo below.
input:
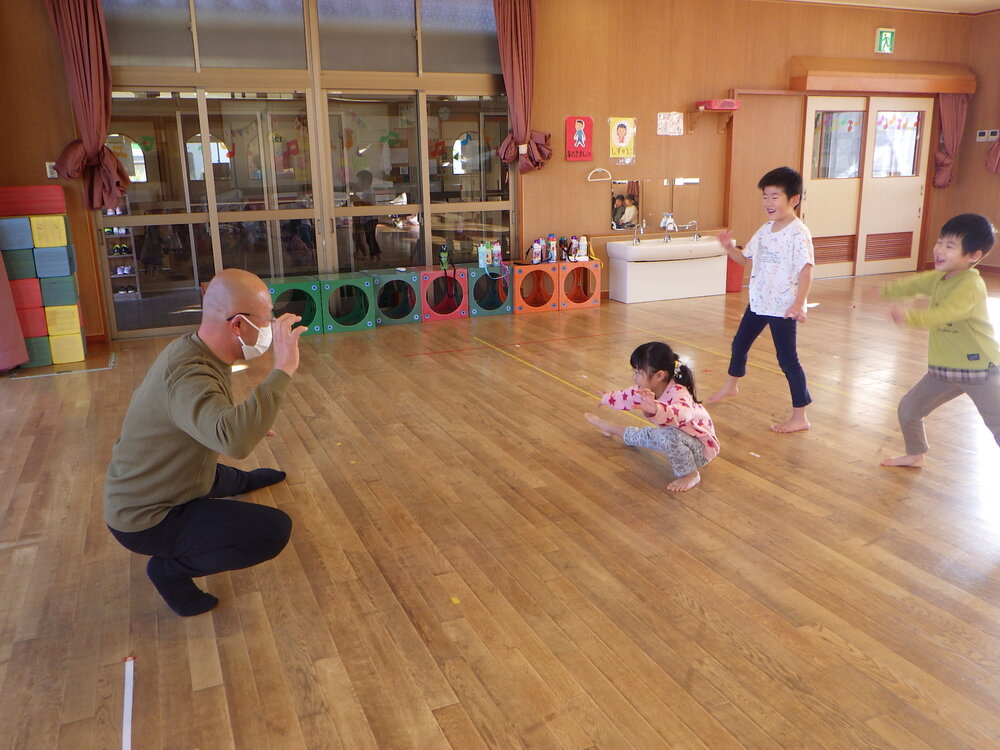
(930, 393)
(686, 453)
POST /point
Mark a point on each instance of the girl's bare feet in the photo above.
(608, 428)
(684, 483)
(728, 389)
(795, 423)
(914, 461)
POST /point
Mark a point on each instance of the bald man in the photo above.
(165, 493)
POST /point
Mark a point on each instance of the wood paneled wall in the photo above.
(600, 59)
(636, 59)
(37, 123)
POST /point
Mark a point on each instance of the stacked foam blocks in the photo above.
(41, 269)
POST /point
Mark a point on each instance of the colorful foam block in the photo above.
(32, 320)
(49, 231)
(39, 352)
(31, 200)
(52, 261)
(59, 290)
(62, 319)
(68, 348)
(20, 264)
(26, 293)
(15, 233)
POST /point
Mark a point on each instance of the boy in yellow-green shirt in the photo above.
(962, 353)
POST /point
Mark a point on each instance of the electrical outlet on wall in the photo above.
(993, 135)
(50, 170)
(980, 136)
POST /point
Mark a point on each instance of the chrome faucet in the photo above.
(692, 225)
(669, 225)
(639, 228)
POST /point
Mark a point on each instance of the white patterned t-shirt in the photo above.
(778, 258)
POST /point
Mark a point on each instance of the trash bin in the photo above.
(734, 276)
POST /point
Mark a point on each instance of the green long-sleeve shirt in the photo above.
(180, 419)
(961, 336)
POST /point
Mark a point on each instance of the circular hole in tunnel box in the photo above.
(296, 302)
(537, 288)
(445, 295)
(489, 292)
(396, 299)
(578, 286)
(348, 305)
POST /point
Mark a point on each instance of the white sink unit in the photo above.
(657, 270)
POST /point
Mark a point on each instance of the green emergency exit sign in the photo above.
(885, 40)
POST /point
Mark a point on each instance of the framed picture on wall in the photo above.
(579, 138)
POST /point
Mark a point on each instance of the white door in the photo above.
(892, 187)
(831, 176)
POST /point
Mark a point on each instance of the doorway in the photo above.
(866, 161)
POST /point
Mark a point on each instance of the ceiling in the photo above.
(940, 6)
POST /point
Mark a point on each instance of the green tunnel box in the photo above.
(489, 295)
(348, 301)
(299, 295)
(397, 296)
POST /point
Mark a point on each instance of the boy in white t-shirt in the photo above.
(782, 255)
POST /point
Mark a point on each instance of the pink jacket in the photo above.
(674, 408)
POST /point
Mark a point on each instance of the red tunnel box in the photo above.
(579, 284)
(444, 294)
(536, 288)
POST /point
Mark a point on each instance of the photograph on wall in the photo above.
(622, 139)
(579, 138)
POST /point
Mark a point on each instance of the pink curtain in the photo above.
(79, 24)
(954, 107)
(516, 36)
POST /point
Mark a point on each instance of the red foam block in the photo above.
(28, 200)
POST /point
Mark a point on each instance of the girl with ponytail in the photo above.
(664, 391)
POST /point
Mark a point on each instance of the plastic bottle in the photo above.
(574, 247)
(536, 251)
(581, 254)
(553, 250)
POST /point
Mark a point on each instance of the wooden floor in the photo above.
(474, 566)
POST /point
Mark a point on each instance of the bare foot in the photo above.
(914, 461)
(728, 390)
(684, 483)
(607, 428)
(795, 423)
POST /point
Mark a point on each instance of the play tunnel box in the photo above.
(299, 295)
(348, 302)
(490, 291)
(397, 295)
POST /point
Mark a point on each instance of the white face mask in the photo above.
(263, 341)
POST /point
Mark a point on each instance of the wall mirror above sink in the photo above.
(626, 204)
(680, 196)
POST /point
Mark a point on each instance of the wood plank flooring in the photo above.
(474, 566)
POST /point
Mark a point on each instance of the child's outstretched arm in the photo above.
(729, 245)
(621, 400)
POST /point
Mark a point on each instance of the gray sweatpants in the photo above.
(930, 393)
(686, 453)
